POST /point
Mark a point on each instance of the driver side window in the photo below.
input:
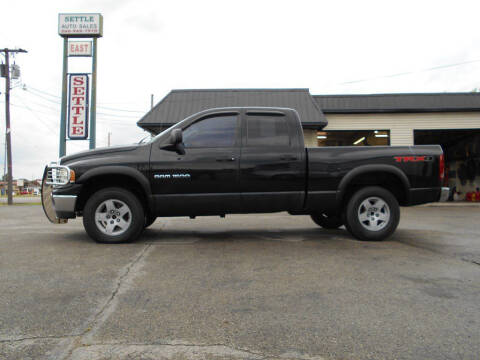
(214, 131)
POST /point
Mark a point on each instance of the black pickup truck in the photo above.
(241, 160)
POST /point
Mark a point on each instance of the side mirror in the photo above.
(176, 137)
(175, 142)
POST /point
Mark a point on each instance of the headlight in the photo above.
(59, 175)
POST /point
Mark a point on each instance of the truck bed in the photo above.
(331, 169)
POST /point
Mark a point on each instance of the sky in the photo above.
(152, 47)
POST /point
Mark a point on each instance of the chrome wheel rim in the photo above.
(373, 213)
(113, 217)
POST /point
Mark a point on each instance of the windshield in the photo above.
(177, 125)
(145, 139)
(154, 138)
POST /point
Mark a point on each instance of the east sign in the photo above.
(80, 25)
(78, 107)
(79, 48)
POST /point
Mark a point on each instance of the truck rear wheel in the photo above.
(113, 215)
(327, 222)
(372, 214)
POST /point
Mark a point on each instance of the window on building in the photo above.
(215, 131)
(267, 130)
(353, 138)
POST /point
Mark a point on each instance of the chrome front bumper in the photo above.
(64, 204)
(57, 208)
(444, 193)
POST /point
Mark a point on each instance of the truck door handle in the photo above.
(288, 157)
(231, 158)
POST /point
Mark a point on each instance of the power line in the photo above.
(35, 114)
(43, 105)
(55, 112)
(41, 96)
(101, 113)
(411, 72)
(103, 107)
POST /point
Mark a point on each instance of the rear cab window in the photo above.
(267, 130)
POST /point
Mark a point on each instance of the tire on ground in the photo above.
(137, 214)
(357, 219)
(327, 222)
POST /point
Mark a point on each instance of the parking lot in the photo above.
(245, 287)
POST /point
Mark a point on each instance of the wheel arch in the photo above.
(386, 176)
(115, 176)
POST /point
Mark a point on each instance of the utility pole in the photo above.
(7, 120)
(5, 161)
(108, 139)
(151, 101)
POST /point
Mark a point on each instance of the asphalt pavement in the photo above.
(245, 287)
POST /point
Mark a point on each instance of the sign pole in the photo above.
(63, 115)
(93, 104)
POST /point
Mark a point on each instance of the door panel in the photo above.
(272, 167)
(204, 180)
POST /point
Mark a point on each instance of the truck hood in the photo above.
(91, 153)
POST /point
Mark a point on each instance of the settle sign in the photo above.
(78, 106)
(80, 25)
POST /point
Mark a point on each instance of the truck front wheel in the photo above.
(326, 221)
(372, 214)
(113, 215)
(149, 220)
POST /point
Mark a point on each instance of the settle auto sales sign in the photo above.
(78, 106)
(80, 25)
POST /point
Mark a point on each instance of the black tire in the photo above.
(135, 217)
(149, 220)
(327, 222)
(356, 211)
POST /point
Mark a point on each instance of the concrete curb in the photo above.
(452, 204)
